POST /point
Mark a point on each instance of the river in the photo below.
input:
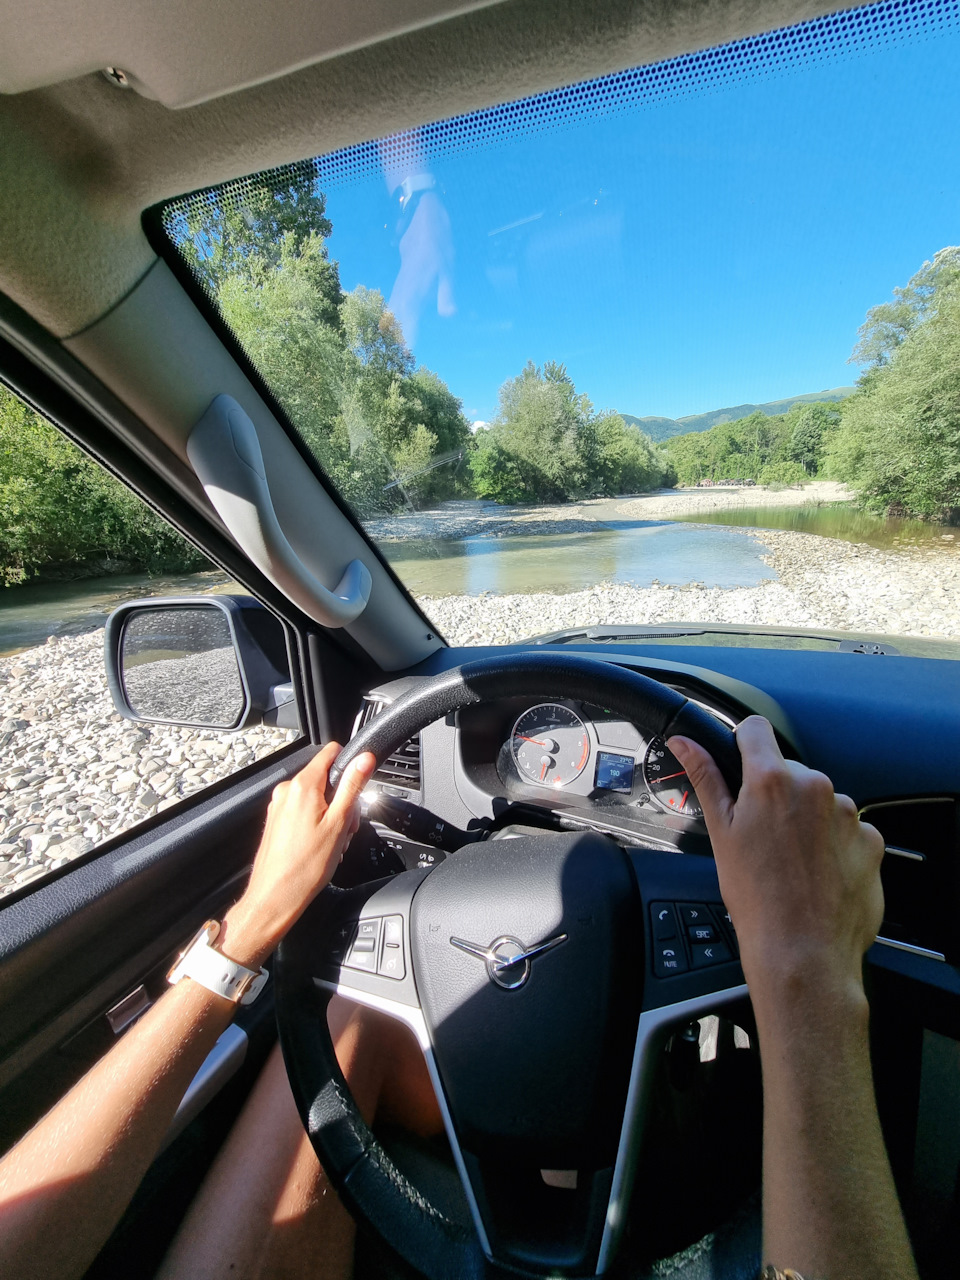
(703, 548)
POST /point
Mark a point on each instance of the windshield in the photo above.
(677, 345)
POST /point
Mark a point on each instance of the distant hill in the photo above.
(664, 428)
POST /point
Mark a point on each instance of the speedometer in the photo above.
(550, 745)
(668, 783)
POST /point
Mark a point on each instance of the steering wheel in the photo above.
(541, 976)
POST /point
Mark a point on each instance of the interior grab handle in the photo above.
(224, 451)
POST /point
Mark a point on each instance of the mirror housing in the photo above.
(205, 662)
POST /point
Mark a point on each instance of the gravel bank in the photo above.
(73, 773)
(469, 519)
(821, 582)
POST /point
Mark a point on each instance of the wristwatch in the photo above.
(202, 962)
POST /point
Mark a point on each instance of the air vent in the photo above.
(402, 769)
(918, 872)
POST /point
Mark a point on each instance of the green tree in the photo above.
(61, 508)
(899, 439)
(337, 363)
(889, 324)
(783, 449)
(812, 425)
(547, 444)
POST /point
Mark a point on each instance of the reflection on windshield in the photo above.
(564, 354)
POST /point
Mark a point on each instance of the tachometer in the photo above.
(667, 781)
(550, 744)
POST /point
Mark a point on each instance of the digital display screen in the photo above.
(614, 773)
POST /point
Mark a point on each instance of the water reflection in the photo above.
(835, 520)
(31, 613)
(640, 553)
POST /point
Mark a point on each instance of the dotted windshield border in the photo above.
(867, 28)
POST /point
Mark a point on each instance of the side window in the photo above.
(75, 543)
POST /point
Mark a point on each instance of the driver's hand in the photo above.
(799, 874)
(303, 843)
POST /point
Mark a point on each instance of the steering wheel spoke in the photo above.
(692, 970)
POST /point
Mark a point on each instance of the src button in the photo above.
(703, 933)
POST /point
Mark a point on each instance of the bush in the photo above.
(63, 509)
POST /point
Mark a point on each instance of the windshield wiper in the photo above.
(845, 643)
(649, 631)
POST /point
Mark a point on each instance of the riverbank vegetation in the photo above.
(899, 439)
(390, 434)
(895, 440)
(787, 448)
(63, 513)
(547, 444)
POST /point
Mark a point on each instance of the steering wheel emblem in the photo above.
(506, 958)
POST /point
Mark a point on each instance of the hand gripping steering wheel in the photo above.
(541, 976)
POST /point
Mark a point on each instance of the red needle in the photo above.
(535, 741)
(684, 800)
(543, 771)
(681, 774)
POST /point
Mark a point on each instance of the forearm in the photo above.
(64, 1187)
(830, 1205)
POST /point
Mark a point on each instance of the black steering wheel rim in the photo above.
(371, 1186)
(661, 710)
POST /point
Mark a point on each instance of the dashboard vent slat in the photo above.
(402, 768)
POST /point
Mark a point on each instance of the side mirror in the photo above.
(213, 662)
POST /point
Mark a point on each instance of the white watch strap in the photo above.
(219, 974)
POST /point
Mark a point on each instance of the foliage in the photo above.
(546, 444)
(62, 508)
(385, 432)
(785, 449)
(899, 443)
(888, 325)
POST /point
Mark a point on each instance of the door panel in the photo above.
(74, 947)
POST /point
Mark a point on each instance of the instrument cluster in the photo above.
(583, 763)
(552, 746)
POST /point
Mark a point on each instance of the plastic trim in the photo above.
(414, 1019)
(224, 451)
(912, 949)
(654, 1024)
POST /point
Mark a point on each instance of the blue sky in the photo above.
(709, 251)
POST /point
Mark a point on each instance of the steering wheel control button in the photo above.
(663, 920)
(710, 953)
(393, 931)
(391, 963)
(364, 948)
(693, 913)
(668, 959)
(703, 933)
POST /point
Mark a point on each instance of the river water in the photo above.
(704, 548)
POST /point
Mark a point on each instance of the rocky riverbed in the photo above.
(73, 772)
(821, 582)
(470, 518)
